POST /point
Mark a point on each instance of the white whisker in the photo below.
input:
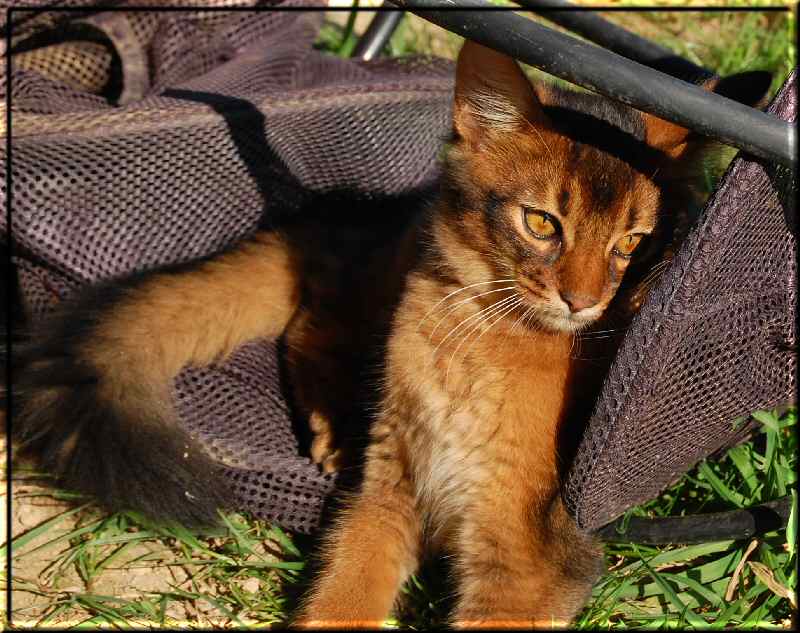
(521, 319)
(500, 315)
(599, 337)
(655, 272)
(575, 340)
(541, 139)
(613, 329)
(510, 309)
(602, 334)
(478, 315)
(455, 292)
(530, 321)
(504, 309)
(453, 307)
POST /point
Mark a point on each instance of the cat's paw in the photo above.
(323, 449)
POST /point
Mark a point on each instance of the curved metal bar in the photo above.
(615, 38)
(615, 76)
(377, 35)
(701, 528)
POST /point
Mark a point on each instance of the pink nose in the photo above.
(578, 302)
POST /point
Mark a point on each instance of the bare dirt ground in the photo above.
(50, 584)
(36, 583)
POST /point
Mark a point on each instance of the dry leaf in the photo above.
(734, 582)
(766, 576)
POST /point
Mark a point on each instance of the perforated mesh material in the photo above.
(237, 115)
(240, 116)
(238, 412)
(714, 341)
(91, 75)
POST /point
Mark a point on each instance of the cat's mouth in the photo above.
(554, 314)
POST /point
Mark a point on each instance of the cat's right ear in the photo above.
(492, 95)
(750, 88)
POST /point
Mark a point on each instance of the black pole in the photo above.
(701, 528)
(377, 35)
(615, 38)
(614, 76)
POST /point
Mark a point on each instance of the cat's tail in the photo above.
(91, 388)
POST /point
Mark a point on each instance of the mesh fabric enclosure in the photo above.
(155, 138)
(239, 119)
(714, 341)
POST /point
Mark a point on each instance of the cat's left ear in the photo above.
(492, 94)
(749, 88)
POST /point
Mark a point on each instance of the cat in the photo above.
(464, 316)
(549, 197)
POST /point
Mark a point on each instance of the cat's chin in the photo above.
(564, 324)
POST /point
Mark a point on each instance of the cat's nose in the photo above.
(577, 302)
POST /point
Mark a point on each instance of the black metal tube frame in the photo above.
(377, 35)
(602, 71)
(594, 28)
(701, 528)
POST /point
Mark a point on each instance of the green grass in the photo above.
(709, 584)
(233, 575)
(249, 573)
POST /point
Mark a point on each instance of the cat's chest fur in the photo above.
(481, 418)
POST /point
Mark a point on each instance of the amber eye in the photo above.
(541, 224)
(626, 245)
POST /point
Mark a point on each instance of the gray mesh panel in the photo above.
(241, 114)
(713, 342)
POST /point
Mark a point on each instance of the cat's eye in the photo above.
(626, 245)
(543, 225)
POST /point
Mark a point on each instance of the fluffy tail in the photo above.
(91, 389)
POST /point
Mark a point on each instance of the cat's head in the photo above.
(561, 191)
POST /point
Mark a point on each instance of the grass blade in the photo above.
(285, 541)
(704, 468)
(693, 619)
(791, 526)
(24, 539)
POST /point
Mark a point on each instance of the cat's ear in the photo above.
(492, 94)
(749, 88)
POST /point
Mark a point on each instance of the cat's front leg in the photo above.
(371, 551)
(518, 572)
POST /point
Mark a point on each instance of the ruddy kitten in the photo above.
(552, 207)
(547, 200)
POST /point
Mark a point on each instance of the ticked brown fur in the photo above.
(484, 385)
(464, 318)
